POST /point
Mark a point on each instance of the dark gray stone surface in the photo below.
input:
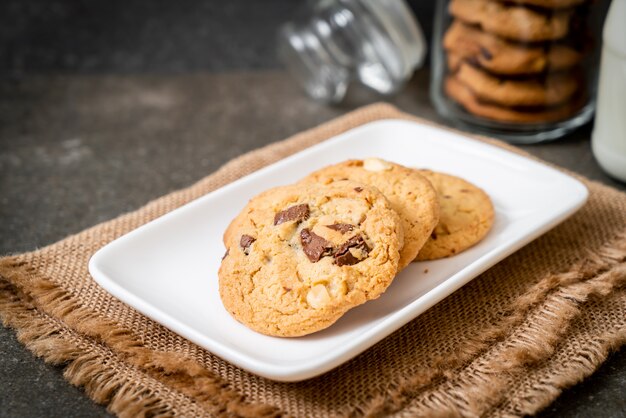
(31, 388)
(138, 36)
(154, 36)
(106, 105)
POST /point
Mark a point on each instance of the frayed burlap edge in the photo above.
(529, 334)
(44, 310)
(83, 361)
(598, 275)
(205, 390)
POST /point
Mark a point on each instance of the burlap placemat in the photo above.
(503, 345)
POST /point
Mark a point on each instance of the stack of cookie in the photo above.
(299, 256)
(516, 61)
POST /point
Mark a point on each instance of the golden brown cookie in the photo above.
(553, 89)
(499, 56)
(551, 4)
(466, 216)
(303, 255)
(410, 194)
(512, 21)
(464, 96)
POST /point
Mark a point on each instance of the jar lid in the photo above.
(376, 42)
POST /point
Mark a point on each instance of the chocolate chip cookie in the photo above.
(551, 4)
(513, 21)
(466, 98)
(410, 195)
(466, 216)
(550, 90)
(303, 255)
(499, 56)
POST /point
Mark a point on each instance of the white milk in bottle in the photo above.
(608, 139)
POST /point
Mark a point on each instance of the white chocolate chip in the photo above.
(376, 164)
(318, 296)
(338, 289)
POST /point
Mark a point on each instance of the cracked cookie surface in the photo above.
(466, 216)
(409, 193)
(300, 256)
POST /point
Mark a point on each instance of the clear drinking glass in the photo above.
(375, 42)
(523, 70)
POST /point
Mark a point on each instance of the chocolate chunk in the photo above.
(314, 246)
(295, 213)
(433, 235)
(343, 256)
(485, 53)
(358, 189)
(226, 254)
(245, 242)
(473, 61)
(343, 228)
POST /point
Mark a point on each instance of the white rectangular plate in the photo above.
(167, 269)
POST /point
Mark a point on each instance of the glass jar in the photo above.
(375, 42)
(522, 70)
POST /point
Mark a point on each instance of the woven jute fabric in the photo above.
(505, 344)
